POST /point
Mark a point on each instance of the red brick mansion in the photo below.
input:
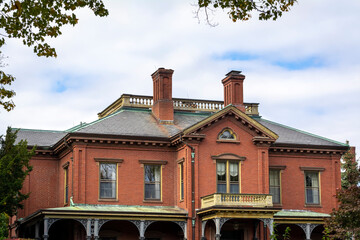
(164, 168)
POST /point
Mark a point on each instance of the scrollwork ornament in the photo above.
(312, 227)
(51, 221)
(147, 223)
(266, 221)
(223, 221)
(137, 223)
(102, 222)
(303, 226)
(181, 224)
(83, 222)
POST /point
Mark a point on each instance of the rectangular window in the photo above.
(108, 180)
(274, 183)
(227, 177)
(181, 181)
(152, 179)
(66, 185)
(312, 188)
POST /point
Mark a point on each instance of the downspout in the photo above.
(72, 172)
(193, 220)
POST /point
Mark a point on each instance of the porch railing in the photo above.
(236, 200)
(195, 105)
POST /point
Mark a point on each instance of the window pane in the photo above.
(274, 177)
(227, 135)
(182, 190)
(152, 173)
(309, 196)
(108, 180)
(107, 189)
(312, 179)
(221, 171)
(221, 188)
(312, 187)
(152, 181)
(234, 188)
(107, 171)
(234, 171)
(181, 181)
(275, 193)
(152, 191)
(274, 181)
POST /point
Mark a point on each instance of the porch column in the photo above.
(88, 229)
(256, 224)
(37, 226)
(217, 225)
(46, 223)
(271, 226)
(185, 230)
(96, 229)
(142, 230)
(307, 231)
(203, 224)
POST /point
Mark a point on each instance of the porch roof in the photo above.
(300, 213)
(120, 208)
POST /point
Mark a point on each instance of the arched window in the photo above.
(227, 134)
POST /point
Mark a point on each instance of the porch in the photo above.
(108, 222)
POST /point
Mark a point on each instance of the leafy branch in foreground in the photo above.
(242, 9)
(34, 22)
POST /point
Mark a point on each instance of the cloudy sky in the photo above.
(303, 69)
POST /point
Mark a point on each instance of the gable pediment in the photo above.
(260, 133)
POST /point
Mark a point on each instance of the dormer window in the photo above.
(227, 134)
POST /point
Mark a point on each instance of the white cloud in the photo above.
(101, 58)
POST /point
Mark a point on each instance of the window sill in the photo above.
(182, 200)
(152, 201)
(108, 200)
(228, 141)
(313, 205)
(277, 205)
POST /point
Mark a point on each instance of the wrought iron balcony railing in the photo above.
(237, 200)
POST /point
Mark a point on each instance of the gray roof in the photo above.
(289, 135)
(42, 138)
(140, 122)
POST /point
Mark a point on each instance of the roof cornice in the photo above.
(90, 138)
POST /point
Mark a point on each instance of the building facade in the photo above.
(158, 167)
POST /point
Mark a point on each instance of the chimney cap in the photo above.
(162, 70)
(234, 73)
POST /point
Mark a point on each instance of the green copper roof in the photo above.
(299, 213)
(121, 208)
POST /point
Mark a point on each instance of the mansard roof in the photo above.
(135, 122)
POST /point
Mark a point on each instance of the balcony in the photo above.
(237, 200)
(180, 104)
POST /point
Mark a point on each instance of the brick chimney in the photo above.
(233, 89)
(163, 108)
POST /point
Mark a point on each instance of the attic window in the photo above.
(227, 134)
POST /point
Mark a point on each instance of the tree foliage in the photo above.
(4, 222)
(34, 22)
(242, 9)
(344, 222)
(14, 167)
